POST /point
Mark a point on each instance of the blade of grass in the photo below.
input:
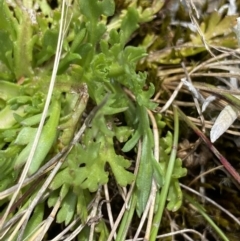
(154, 189)
(127, 218)
(200, 209)
(163, 195)
(235, 219)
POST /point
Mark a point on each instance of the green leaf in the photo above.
(64, 190)
(35, 220)
(100, 68)
(32, 120)
(174, 196)
(61, 177)
(134, 54)
(19, 100)
(175, 192)
(68, 207)
(89, 170)
(122, 133)
(116, 104)
(23, 47)
(130, 144)
(6, 49)
(84, 198)
(85, 51)
(8, 90)
(118, 165)
(95, 32)
(77, 41)
(53, 198)
(25, 136)
(103, 230)
(129, 25)
(45, 8)
(7, 182)
(145, 175)
(178, 170)
(49, 43)
(7, 119)
(46, 140)
(160, 123)
(158, 173)
(68, 59)
(95, 8)
(114, 38)
(100, 125)
(9, 135)
(9, 153)
(143, 98)
(7, 21)
(218, 25)
(214, 27)
(166, 142)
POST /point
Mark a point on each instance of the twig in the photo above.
(202, 190)
(172, 234)
(109, 209)
(49, 220)
(70, 226)
(194, 21)
(47, 167)
(171, 99)
(92, 221)
(204, 173)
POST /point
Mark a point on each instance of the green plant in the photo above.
(96, 65)
(73, 155)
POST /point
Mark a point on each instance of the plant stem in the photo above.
(127, 218)
(200, 209)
